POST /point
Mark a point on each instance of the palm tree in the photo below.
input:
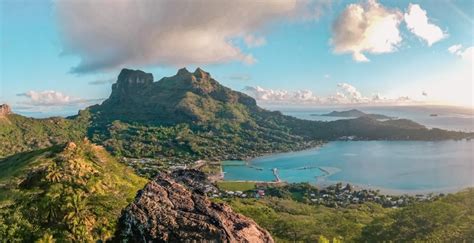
(78, 217)
(47, 238)
(54, 173)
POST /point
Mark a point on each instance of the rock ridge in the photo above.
(173, 208)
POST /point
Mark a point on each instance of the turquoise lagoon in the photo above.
(392, 165)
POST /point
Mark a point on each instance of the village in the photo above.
(332, 196)
(336, 195)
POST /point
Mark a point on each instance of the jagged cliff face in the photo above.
(172, 208)
(185, 97)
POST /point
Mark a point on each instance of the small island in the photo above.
(356, 114)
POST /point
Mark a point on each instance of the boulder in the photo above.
(173, 208)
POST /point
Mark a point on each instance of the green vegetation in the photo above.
(68, 193)
(290, 221)
(236, 185)
(20, 134)
(449, 219)
(76, 193)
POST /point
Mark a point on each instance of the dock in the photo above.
(275, 173)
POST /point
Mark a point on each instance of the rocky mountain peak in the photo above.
(5, 110)
(130, 77)
(199, 73)
(183, 71)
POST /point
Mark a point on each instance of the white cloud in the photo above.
(350, 92)
(52, 98)
(418, 23)
(466, 54)
(111, 34)
(366, 28)
(454, 48)
(284, 96)
(345, 94)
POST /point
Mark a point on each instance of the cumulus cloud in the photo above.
(418, 23)
(350, 92)
(52, 98)
(283, 96)
(345, 94)
(366, 28)
(110, 34)
(466, 54)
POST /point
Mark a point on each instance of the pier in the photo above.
(275, 173)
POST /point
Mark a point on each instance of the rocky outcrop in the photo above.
(5, 110)
(173, 208)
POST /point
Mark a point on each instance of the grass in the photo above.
(236, 185)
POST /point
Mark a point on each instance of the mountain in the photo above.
(185, 117)
(173, 207)
(71, 192)
(354, 113)
(185, 97)
(191, 116)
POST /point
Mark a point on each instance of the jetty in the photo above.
(275, 173)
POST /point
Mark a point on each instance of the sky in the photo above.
(60, 56)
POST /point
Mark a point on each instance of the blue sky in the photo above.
(290, 55)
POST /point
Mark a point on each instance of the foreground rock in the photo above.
(167, 211)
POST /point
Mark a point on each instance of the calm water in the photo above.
(451, 118)
(395, 165)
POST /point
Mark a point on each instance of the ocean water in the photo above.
(393, 165)
(450, 118)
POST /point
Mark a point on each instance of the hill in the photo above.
(21, 134)
(354, 113)
(72, 192)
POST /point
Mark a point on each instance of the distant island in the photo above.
(355, 114)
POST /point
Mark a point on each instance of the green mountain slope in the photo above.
(450, 219)
(70, 193)
(20, 134)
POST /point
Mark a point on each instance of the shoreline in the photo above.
(382, 190)
(270, 154)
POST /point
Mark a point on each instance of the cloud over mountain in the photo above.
(111, 34)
